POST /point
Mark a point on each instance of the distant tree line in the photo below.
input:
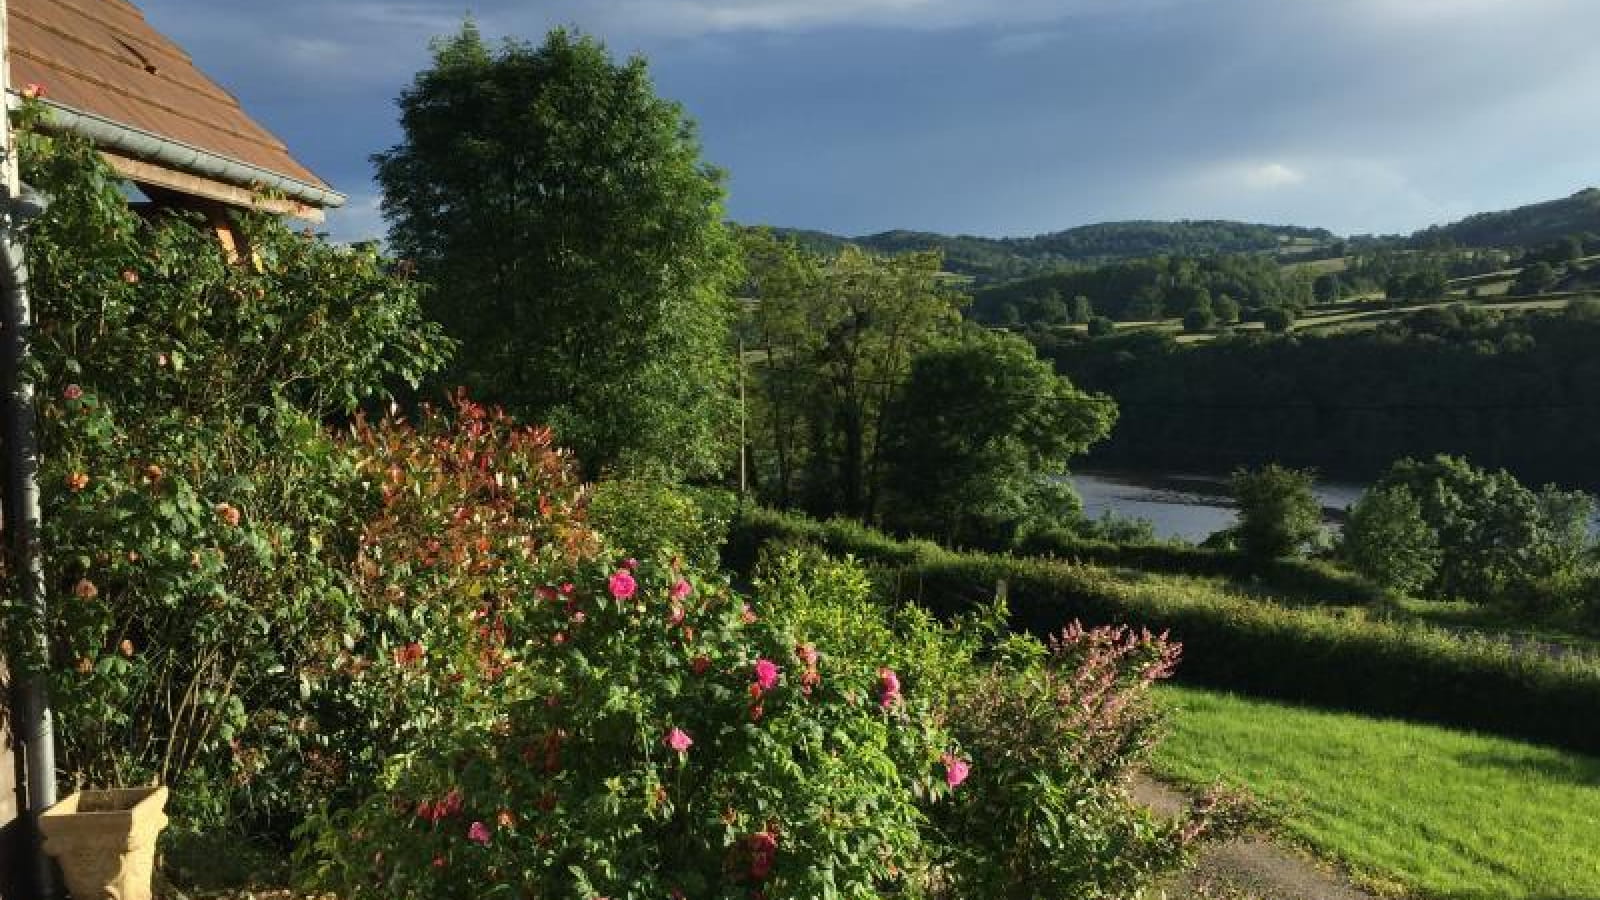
(996, 259)
(1520, 392)
(1228, 287)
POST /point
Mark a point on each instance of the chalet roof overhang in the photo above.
(146, 158)
(160, 122)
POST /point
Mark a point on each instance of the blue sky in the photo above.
(1001, 117)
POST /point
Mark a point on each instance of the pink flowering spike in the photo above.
(677, 739)
(956, 770)
(766, 674)
(681, 589)
(889, 681)
(478, 833)
(622, 585)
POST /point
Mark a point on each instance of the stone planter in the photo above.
(105, 841)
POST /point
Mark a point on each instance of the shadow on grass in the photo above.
(1582, 771)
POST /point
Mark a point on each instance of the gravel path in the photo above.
(1248, 868)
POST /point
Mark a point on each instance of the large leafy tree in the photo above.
(576, 246)
(832, 340)
(979, 438)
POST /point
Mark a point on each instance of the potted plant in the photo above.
(105, 841)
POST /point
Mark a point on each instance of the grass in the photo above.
(1429, 811)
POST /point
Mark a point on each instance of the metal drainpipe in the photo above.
(21, 500)
(37, 731)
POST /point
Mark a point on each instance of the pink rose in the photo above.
(675, 615)
(956, 770)
(678, 740)
(681, 589)
(630, 564)
(766, 674)
(807, 654)
(73, 392)
(478, 833)
(622, 585)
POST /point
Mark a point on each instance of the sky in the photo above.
(999, 117)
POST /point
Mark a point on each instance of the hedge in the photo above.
(1233, 642)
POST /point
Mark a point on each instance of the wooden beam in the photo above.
(143, 173)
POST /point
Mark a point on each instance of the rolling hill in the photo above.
(1525, 226)
(990, 259)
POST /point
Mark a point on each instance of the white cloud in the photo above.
(1268, 176)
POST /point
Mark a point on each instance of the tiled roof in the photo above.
(101, 57)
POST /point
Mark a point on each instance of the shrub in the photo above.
(656, 518)
(1101, 326)
(639, 739)
(1042, 814)
(1199, 320)
(1278, 511)
(1277, 319)
(1236, 643)
(199, 521)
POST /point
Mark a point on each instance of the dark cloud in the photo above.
(1031, 115)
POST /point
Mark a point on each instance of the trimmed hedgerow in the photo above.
(1298, 581)
(1237, 643)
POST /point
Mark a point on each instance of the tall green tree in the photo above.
(576, 246)
(980, 436)
(833, 340)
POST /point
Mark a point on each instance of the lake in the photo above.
(1190, 507)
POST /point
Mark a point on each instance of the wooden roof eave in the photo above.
(146, 158)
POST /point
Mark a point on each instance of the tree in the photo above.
(1429, 284)
(836, 337)
(1388, 541)
(576, 246)
(1498, 540)
(1277, 319)
(1100, 326)
(1082, 310)
(980, 436)
(1226, 308)
(1199, 321)
(1326, 289)
(1278, 511)
(1534, 279)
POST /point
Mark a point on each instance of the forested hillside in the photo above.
(1525, 226)
(1517, 391)
(1000, 258)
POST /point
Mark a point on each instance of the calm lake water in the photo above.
(1190, 507)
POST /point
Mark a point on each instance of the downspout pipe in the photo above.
(152, 148)
(36, 731)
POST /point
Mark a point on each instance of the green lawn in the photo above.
(1437, 812)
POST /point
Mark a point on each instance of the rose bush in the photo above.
(199, 520)
(642, 730)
